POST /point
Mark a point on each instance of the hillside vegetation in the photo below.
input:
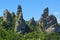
(14, 27)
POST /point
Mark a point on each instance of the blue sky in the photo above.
(32, 8)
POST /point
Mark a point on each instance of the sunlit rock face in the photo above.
(7, 19)
(48, 22)
(20, 26)
(7, 16)
(32, 22)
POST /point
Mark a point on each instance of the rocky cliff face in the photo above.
(7, 19)
(19, 10)
(20, 26)
(7, 16)
(48, 22)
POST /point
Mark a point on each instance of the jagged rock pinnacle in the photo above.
(7, 16)
(19, 10)
(20, 26)
(45, 13)
(48, 22)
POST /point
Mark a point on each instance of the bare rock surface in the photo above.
(32, 22)
(20, 26)
(7, 16)
(49, 22)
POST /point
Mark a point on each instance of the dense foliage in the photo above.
(9, 35)
(35, 35)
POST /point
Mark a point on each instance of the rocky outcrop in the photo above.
(21, 26)
(32, 22)
(48, 22)
(7, 16)
(45, 13)
(7, 19)
(19, 10)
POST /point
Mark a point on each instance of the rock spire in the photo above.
(48, 22)
(7, 16)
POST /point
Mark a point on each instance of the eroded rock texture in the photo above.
(7, 16)
(49, 22)
(21, 26)
(7, 19)
(19, 10)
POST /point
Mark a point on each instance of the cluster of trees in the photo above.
(9, 35)
(35, 35)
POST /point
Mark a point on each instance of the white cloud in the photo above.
(1, 12)
(58, 19)
(57, 15)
